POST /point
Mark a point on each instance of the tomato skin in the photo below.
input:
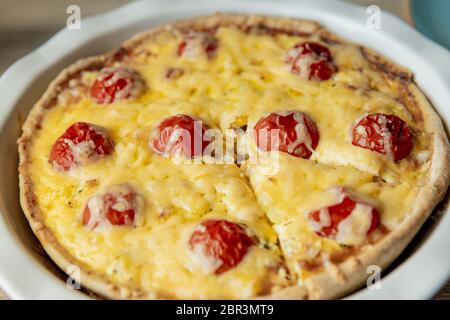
(321, 70)
(62, 155)
(289, 141)
(340, 211)
(315, 58)
(222, 240)
(117, 208)
(308, 48)
(114, 84)
(386, 134)
(196, 43)
(190, 141)
(211, 47)
(181, 48)
(119, 217)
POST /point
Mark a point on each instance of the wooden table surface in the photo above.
(21, 31)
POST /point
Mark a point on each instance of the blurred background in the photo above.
(26, 24)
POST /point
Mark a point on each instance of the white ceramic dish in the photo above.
(26, 274)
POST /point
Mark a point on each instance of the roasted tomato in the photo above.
(348, 221)
(117, 206)
(196, 44)
(221, 244)
(80, 143)
(311, 60)
(386, 134)
(292, 132)
(179, 135)
(115, 84)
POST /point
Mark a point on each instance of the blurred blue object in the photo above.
(432, 18)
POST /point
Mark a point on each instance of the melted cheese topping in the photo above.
(246, 79)
(353, 229)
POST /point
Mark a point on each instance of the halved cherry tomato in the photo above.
(386, 134)
(78, 144)
(114, 84)
(118, 207)
(329, 218)
(311, 60)
(307, 48)
(179, 135)
(225, 242)
(197, 43)
(297, 133)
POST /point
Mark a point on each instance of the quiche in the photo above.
(231, 156)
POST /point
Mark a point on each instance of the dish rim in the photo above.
(398, 282)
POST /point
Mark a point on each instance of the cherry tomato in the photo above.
(311, 60)
(386, 134)
(179, 135)
(223, 241)
(114, 84)
(118, 207)
(198, 43)
(330, 217)
(297, 133)
(79, 143)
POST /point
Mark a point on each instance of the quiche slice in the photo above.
(231, 156)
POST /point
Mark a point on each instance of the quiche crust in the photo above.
(333, 282)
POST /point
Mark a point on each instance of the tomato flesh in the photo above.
(80, 142)
(196, 43)
(311, 60)
(222, 240)
(179, 135)
(297, 133)
(386, 134)
(114, 84)
(340, 211)
(117, 208)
